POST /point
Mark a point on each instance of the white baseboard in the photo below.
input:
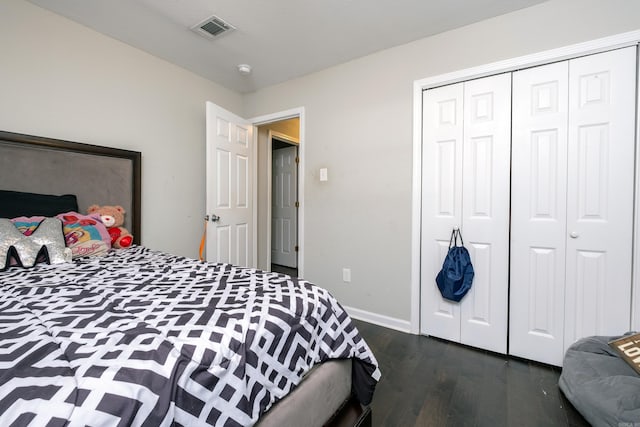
(379, 319)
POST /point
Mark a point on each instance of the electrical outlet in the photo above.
(346, 275)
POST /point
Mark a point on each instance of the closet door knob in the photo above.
(574, 235)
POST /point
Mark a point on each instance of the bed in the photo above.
(141, 337)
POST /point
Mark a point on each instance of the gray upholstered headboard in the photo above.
(96, 175)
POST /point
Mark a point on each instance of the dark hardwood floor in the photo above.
(431, 382)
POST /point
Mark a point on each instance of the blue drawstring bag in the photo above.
(454, 280)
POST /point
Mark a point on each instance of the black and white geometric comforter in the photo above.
(149, 339)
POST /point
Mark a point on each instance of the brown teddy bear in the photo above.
(113, 218)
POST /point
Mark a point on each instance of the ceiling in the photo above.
(280, 39)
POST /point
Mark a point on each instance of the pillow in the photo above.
(46, 240)
(15, 203)
(85, 235)
(27, 226)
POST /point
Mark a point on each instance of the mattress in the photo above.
(140, 337)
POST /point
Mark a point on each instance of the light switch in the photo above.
(324, 174)
(346, 275)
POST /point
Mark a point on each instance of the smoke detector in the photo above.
(213, 27)
(244, 69)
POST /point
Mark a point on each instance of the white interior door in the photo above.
(572, 203)
(485, 210)
(284, 211)
(538, 212)
(600, 184)
(230, 234)
(442, 140)
(466, 156)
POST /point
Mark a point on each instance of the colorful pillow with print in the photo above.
(86, 235)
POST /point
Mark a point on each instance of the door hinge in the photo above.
(297, 204)
(296, 248)
(297, 159)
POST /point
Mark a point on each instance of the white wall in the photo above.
(359, 126)
(61, 80)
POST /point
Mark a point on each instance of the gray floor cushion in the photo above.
(601, 385)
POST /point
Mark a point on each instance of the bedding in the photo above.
(139, 337)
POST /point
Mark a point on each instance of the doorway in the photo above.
(280, 232)
(284, 204)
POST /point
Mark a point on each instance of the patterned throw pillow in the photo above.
(86, 235)
(44, 243)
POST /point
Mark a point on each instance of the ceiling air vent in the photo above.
(213, 27)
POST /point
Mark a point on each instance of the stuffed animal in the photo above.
(113, 218)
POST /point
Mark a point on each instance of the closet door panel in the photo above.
(538, 212)
(601, 177)
(485, 209)
(441, 203)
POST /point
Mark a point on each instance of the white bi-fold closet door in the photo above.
(466, 155)
(536, 167)
(571, 202)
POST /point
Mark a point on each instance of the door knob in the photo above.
(215, 218)
(574, 235)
